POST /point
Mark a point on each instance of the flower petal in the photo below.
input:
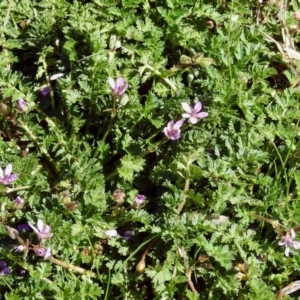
(34, 229)
(287, 250)
(12, 178)
(293, 234)
(40, 225)
(178, 124)
(166, 132)
(202, 115)
(1, 173)
(111, 82)
(120, 82)
(123, 89)
(111, 233)
(198, 106)
(47, 253)
(281, 243)
(193, 120)
(8, 170)
(56, 76)
(296, 245)
(186, 107)
(5, 271)
(187, 116)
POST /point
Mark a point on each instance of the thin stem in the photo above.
(184, 196)
(113, 115)
(48, 81)
(72, 267)
(6, 282)
(188, 274)
(167, 80)
(21, 188)
(150, 150)
(275, 224)
(42, 149)
(108, 285)
(186, 187)
(3, 35)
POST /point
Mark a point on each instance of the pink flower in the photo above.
(172, 131)
(43, 231)
(7, 177)
(288, 242)
(119, 87)
(45, 253)
(193, 114)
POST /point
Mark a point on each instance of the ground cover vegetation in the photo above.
(149, 149)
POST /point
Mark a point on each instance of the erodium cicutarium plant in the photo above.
(149, 149)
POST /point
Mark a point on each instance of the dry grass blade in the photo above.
(291, 288)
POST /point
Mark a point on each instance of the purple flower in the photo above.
(193, 114)
(43, 252)
(6, 177)
(4, 270)
(138, 200)
(111, 233)
(45, 91)
(22, 105)
(119, 87)
(56, 76)
(172, 131)
(288, 242)
(127, 234)
(22, 272)
(23, 227)
(43, 231)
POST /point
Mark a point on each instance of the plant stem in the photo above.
(42, 149)
(167, 80)
(48, 81)
(72, 267)
(188, 274)
(8, 67)
(186, 188)
(21, 188)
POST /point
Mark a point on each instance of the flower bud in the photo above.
(138, 200)
(124, 100)
(22, 105)
(190, 78)
(114, 43)
(141, 266)
(4, 110)
(13, 233)
(72, 206)
(181, 252)
(19, 202)
(186, 60)
(118, 196)
(297, 15)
